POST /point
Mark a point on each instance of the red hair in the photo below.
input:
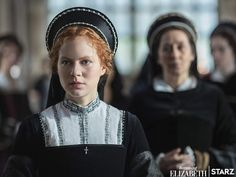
(102, 48)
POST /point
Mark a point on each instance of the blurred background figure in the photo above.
(39, 91)
(187, 121)
(13, 101)
(10, 53)
(223, 49)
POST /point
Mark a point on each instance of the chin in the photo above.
(175, 73)
(76, 94)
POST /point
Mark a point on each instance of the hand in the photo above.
(202, 159)
(173, 160)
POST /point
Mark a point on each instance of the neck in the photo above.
(4, 68)
(175, 80)
(82, 101)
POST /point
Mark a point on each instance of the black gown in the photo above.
(66, 140)
(199, 118)
(13, 107)
(230, 91)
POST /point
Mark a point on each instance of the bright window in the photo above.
(133, 18)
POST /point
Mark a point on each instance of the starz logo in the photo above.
(194, 172)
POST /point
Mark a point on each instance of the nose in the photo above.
(76, 70)
(216, 54)
(174, 53)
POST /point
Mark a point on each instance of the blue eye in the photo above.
(85, 62)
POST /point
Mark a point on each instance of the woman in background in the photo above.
(14, 103)
(187, 121)
(223, 49)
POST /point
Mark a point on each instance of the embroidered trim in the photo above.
(85, 119)
(88, 10)
(80, 118)
(58, 130)
(83, 123)
(82, 23)
(79, 109)
(107, 124)
(120, 132)
(171, 24)
(58, 123)
(45, 129)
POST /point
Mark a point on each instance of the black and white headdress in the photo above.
(85, 17)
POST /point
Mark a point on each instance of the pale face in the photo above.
(222, 53)
(79, 70)
(175, 53)
(10, 55)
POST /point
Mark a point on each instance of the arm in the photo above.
(22, 162)
(19, 166)
(140, 160)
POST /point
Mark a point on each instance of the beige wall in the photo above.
(227, 10)
(5, 16)
(38, 24)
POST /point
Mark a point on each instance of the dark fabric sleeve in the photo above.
(223, 152)
(140, 160)
(19, 166)
(22, 163)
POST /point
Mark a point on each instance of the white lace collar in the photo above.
(76, 108)
(161, 86)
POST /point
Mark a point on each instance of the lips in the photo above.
(76, 84)
(173, 65)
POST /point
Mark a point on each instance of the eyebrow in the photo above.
(177, 42)
(81, 58)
